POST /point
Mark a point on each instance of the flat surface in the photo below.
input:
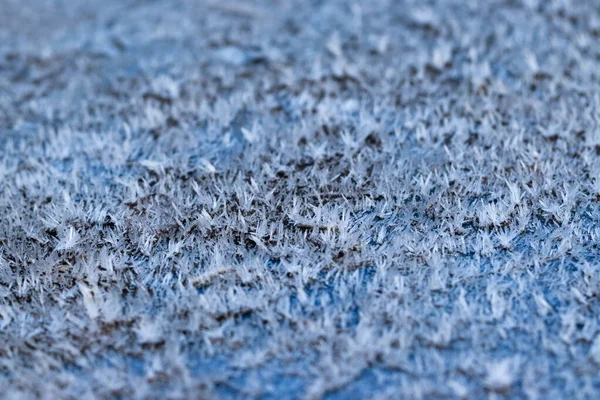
(299, 199)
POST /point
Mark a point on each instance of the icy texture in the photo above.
(300, 199)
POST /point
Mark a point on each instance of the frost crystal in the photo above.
(300, 199)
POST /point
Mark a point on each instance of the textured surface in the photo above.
(300, 199)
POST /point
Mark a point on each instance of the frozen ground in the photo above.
(300, 199)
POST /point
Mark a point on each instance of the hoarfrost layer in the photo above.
(299, 199)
